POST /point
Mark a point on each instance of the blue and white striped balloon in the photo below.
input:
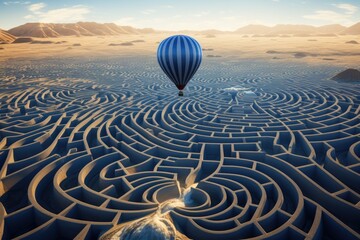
(179, 57)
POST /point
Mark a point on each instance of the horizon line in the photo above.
(198, 30)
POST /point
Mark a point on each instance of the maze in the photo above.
(96, 148)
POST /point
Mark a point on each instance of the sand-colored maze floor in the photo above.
(88, 145)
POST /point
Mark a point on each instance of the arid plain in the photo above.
(337, 50)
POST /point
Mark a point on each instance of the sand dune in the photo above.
(43, 30)
(138, 41)
(253, 29)
(23, 40)
(349, 75)
(352, 42)
(293, 29)
(41, 42)
(32, 41)
(6, 37)
(333, 28)
(353, 30)
(315, 54)
(121, 44)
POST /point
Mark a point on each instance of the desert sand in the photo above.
(6, 37)
(314, 50)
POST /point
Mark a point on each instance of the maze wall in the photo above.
(86, 146)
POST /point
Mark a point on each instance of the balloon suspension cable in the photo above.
(181, 93)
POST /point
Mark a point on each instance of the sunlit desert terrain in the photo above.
(316, 50)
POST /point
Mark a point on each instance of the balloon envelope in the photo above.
(179, 57)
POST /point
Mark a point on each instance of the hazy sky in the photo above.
(182, 14)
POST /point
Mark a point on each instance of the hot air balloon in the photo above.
(179, 57)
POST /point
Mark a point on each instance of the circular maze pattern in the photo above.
(253, 150)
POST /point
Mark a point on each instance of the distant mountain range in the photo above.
(47, 30)
(353, 30)
(292, 29)
(44, 30)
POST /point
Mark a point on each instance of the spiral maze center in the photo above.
(246, 153)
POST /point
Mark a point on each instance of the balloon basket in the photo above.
(181, 93)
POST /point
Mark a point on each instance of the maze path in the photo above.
(86, 147)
